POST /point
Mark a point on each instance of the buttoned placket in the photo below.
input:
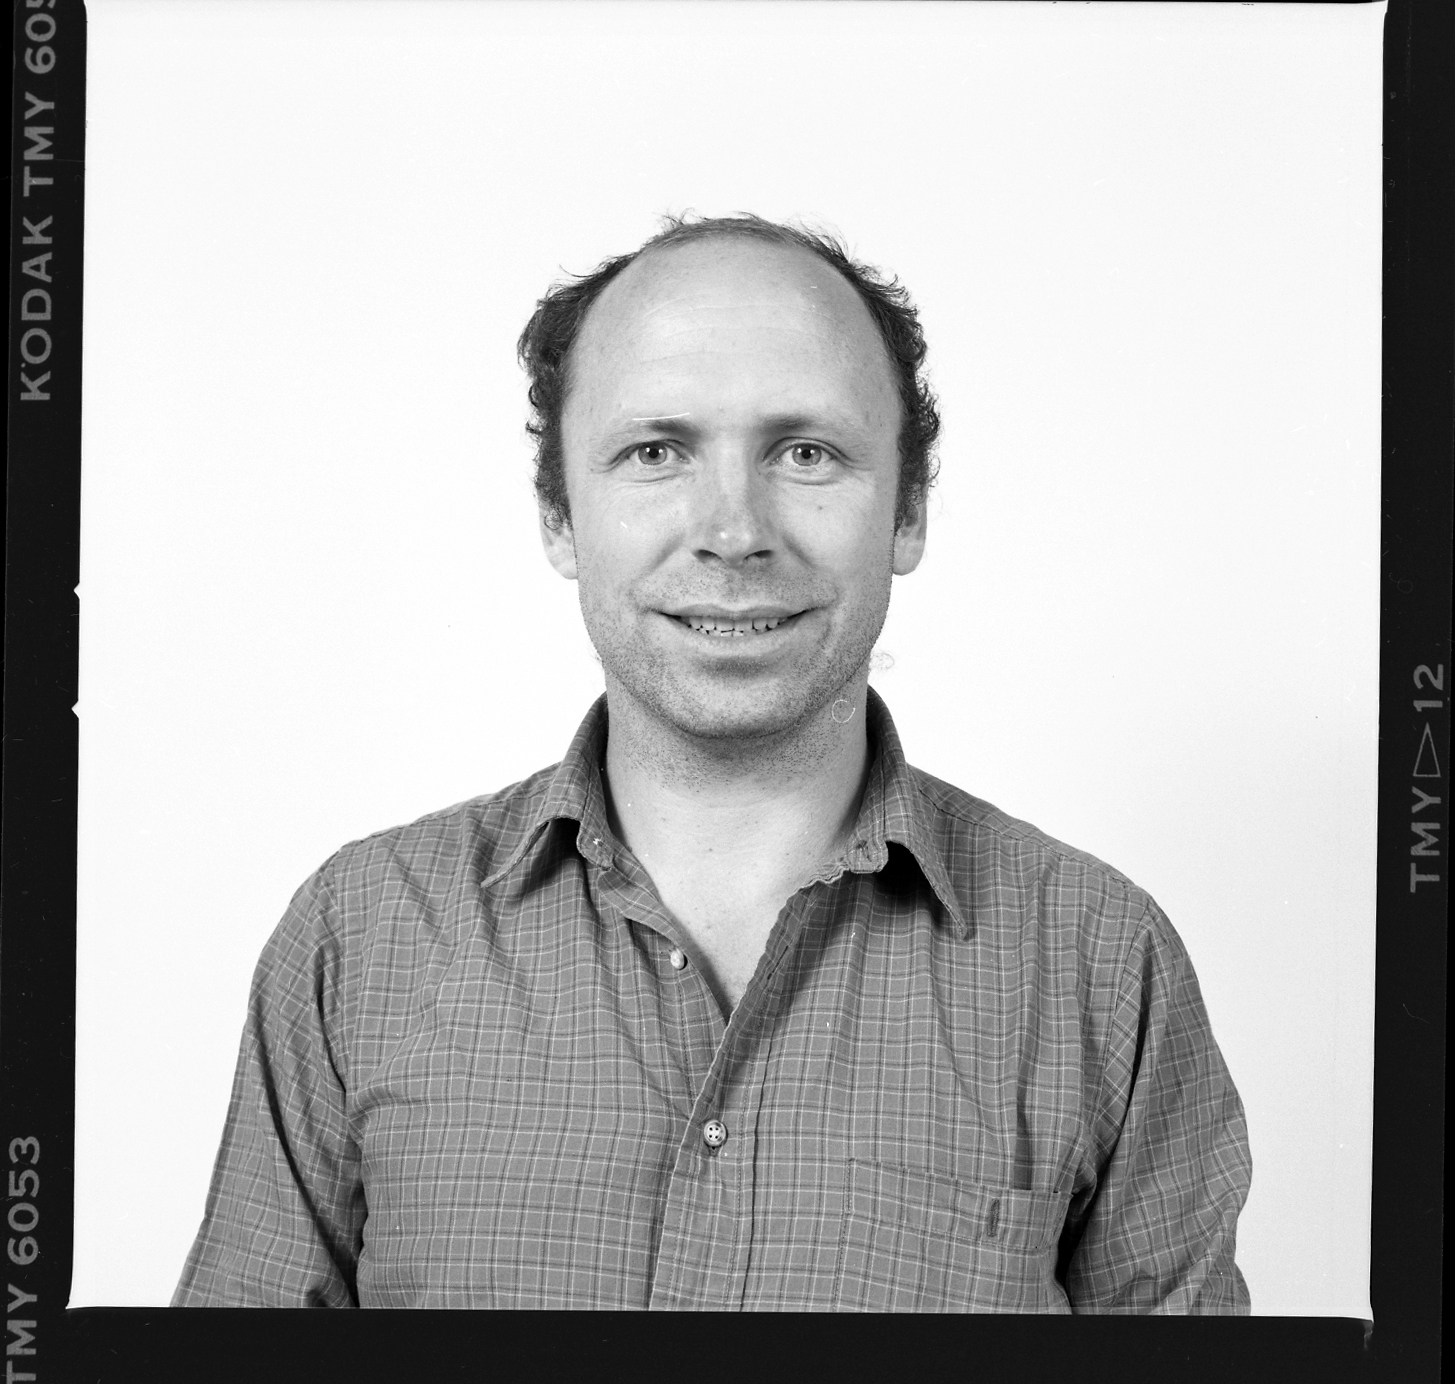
(703, 1253)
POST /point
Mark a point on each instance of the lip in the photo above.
(751, 647)
(716, 612)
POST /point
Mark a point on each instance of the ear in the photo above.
(909, 541)
(560, 545)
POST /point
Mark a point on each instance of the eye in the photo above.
(652, 453)
(806, 456)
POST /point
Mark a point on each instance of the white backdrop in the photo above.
(1145, 242)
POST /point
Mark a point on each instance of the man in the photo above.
(731, 1009)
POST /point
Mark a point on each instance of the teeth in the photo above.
(710, 625)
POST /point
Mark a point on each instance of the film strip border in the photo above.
(38, 798)
(1415, 692)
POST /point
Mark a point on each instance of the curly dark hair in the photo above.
(545, 352)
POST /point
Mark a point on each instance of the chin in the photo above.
(737, 723)
(742, 713)
(729, 704)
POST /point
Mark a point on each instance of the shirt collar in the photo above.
(893, 808)
(573, 793)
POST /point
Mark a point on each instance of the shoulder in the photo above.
(995, 839)
(1014, 876)
(415, 880)
(471, 838)
(381, 920)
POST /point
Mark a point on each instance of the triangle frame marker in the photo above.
(1427, 764)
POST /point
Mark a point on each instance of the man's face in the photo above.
(732, 463)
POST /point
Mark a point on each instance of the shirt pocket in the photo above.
(916, 1242)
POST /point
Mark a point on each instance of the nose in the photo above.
(734, 520)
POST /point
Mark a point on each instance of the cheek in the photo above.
(618, 545)
(854, 540)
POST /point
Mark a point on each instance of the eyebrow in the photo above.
(771, 423)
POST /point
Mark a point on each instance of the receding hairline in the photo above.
(738, 236)
(716, 238)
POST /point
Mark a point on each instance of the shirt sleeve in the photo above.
(1155, 1231)
(285, 1212)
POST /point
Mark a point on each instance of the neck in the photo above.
(770, 808)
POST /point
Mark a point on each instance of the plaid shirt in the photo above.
(973, 1072)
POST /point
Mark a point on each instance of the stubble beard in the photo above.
(728, 716)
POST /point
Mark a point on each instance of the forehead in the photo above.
(738, 303)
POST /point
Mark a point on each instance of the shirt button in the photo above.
(677, 957)
(714, 1133)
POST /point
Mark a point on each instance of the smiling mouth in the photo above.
(719, 628)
